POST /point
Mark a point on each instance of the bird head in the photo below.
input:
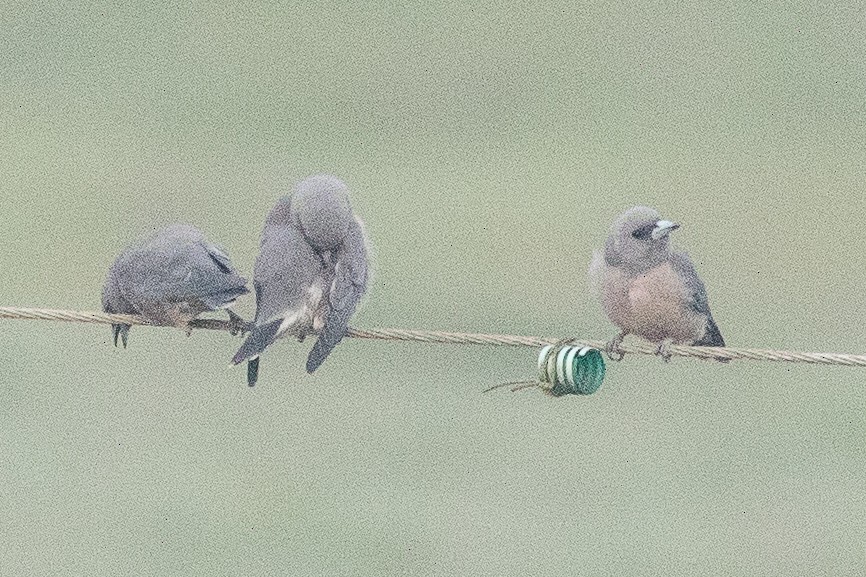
(321, 210)
(639, 239)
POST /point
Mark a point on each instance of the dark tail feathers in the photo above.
(253, 371)
(318, 354)
(258, 339)
(712, 338)
(336, 327)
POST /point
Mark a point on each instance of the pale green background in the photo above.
(488, 146)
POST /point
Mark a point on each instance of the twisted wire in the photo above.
(440, 337)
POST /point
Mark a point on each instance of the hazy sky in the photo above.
(487, 146)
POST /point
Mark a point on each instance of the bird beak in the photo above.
(663, 228)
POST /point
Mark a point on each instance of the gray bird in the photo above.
(310, 274)
(170, 278)
(649, 289)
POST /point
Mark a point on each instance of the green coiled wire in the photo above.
(571, 370)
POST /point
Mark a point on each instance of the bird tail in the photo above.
(253, 371)
(712, 337)
(259, 338)
(336, 327)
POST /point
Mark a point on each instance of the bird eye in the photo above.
(644, 232)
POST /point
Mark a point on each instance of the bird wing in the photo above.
(286, 269)
(113, 300)
(697, 297)
(214, 279)
(347, 288)
(188, 271)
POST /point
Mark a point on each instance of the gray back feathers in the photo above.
(286, 268)
(171, 277)
(698, 297)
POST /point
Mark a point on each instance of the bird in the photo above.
(170, 278)
(649, 289)
(310, 274)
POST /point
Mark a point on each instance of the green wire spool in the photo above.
(571, 370)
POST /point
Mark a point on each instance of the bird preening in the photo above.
(309, 276)
(312, 271)
(170, 278)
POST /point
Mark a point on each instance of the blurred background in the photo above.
(488, 146)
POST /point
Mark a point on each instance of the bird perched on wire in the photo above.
(170, 278)
(649, 289)
(310, 274)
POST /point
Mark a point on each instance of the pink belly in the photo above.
(654, 305)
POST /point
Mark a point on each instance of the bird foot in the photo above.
(304, 333)
(612, 348)
(237, 325)
(663, 350)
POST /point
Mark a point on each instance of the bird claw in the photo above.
(663, 350)
(612, 348)
(237, 325)
(304, 333)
